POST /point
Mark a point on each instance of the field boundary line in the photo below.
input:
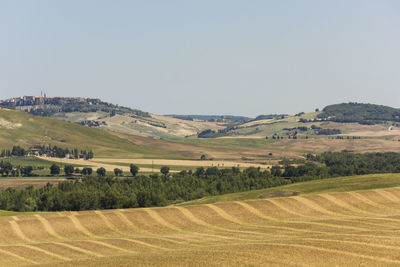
(123, 217)
(335, 251)
(348, 206)
(327, 232)
(353, 242)
(369, 202)
(78, 225)
(222, 213)
(107, 221)
(161, 220)
(265, 226)
(311, 204)
(188, 214)
(259, 214)
(17, 230)
(386, 195)
(18, 256)
(47, 226)
(343, 204)
(153, 214)
(111, 246)
(82, 250)
(391, 193)
(337, 202)
(144, 243)
(270, 260)
(48, 252)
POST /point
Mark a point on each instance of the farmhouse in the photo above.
(33, 152)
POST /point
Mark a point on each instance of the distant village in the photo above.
(28, 102)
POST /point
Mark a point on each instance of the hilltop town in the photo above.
(27, 103)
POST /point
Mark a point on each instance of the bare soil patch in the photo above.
(9, 125)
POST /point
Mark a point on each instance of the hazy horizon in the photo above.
(211, 57)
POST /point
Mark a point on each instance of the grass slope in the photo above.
(152, 126)
(18, 128)
(340, 184)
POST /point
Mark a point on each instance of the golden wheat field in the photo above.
(351, 228)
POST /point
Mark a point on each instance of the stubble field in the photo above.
(343, 228)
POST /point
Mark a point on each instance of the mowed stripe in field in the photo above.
(347, 228)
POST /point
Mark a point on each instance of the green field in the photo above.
(28, 161)
(27, 130)
(40, 167)
(14, 213)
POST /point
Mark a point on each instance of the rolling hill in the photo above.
(97, 113)
(345, 118)
(18, 128)
(338, 228)
(131, 133)
(338, 221)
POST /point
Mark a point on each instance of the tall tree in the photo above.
(101, 171)
(87, 171)
(117, 172)
(164, 170)
(134, 170)
(68, 169)
(54, 169)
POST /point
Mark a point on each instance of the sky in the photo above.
(232, 57)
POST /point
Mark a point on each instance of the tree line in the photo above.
(50, 151)
(15, 151)
(7, 169)
(107, 192)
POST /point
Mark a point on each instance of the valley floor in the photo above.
(146, 164)
(342, 228)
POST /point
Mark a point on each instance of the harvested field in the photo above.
(375, 134)
(94, 164)
(321, 145)
(196, 163)
(110, 163)
(24, 183)
(194, 148)
(330, 229)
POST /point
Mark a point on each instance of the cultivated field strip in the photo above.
(352, 228)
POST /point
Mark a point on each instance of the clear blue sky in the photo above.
(203, 57)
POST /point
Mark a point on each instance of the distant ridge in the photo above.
(217, 118)
(94, 112)
(49, 106)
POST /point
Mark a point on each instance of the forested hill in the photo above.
(361, 113)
